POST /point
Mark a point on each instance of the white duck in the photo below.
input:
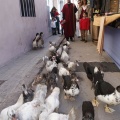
(35, 41)
(51, 104)
(57, 116)
(65, 57)
(31, 110)
(60, 49)
(52, 47)
(6, 114)
(72, 65)
(62, 71)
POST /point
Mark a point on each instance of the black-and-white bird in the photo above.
(41, 41)
(90, 70)
(105, 92)
(71, 88)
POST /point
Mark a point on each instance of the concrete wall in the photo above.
(112, 43)
(16, 32)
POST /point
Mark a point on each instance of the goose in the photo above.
(105, 92)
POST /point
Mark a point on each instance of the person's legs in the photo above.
(82, 35)
(55, 31)
(86, 32)
(67, 38)
(52, 31)
(58, 29)
(62, 30)
(71, 39)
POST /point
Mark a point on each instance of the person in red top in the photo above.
(69, 10)
(84, 26)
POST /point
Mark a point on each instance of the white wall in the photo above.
(16, 32)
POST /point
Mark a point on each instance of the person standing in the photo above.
(69, 18)
(53, 26)
(78, 33)
(84, 26)
(54, 13)
(84, 8)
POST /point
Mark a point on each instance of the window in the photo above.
(27, 8)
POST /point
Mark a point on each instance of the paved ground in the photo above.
(21, 70)
(25, 68)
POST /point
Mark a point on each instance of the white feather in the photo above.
(34, 44)
(65, 57)
(62, 70)
(73, 91)
(52, 48)
(51, 103)
(31, 110)
(96, 69)
(50, 65)
(56, 116)
(112, 99)
(59, 51)
(6, 113)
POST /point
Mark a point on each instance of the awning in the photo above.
(102, 21)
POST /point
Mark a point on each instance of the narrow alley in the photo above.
(60, 60)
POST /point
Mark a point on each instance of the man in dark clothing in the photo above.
(69, 17)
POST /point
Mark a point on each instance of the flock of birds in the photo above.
(38, 105)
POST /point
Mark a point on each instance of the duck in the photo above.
(72, 65)
(58, 116)
(87, 111)
(105, 92)
(51, 104)
(65, 57)
(35, 41)
(31, 110)
(28, 94)
(90, 70)
(71, 88)
(52, 47)
(6, 114)
(41, 41)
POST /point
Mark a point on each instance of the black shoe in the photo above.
(58, 33)
(85, 41)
